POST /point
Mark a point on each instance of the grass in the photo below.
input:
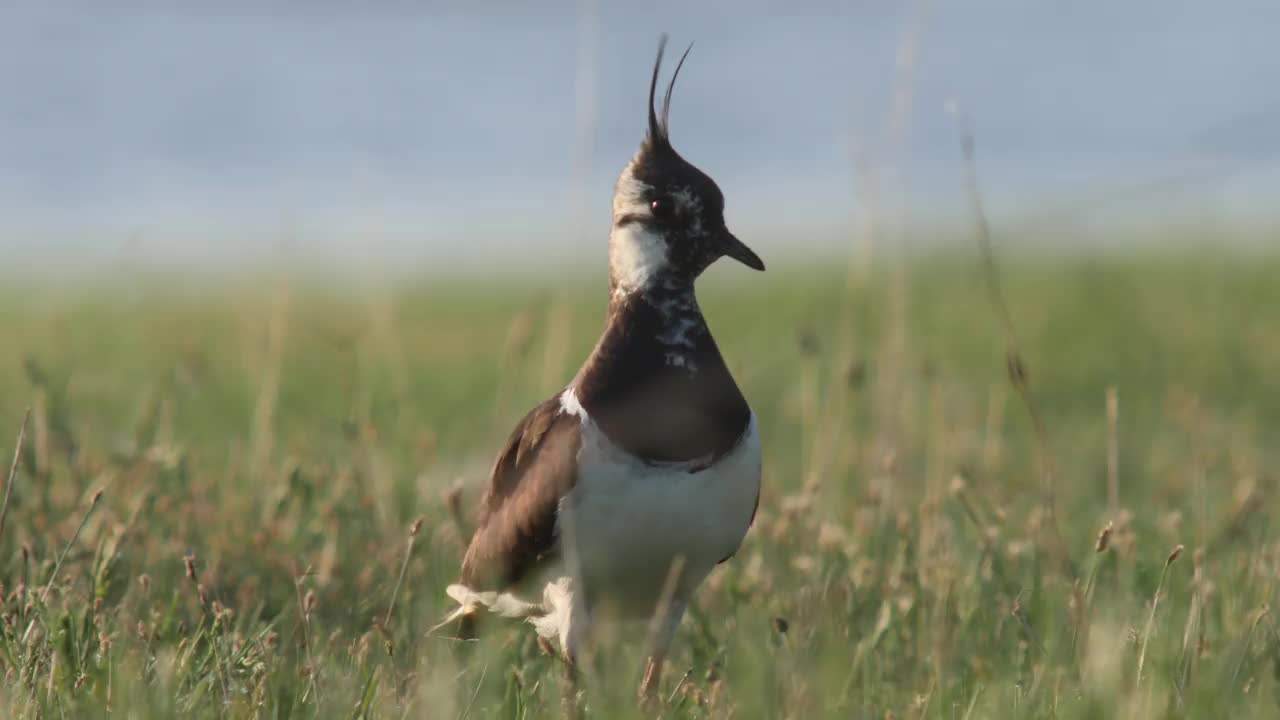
(243, 500)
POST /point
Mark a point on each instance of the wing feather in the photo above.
(517, 527)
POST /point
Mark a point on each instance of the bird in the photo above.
(614, 499)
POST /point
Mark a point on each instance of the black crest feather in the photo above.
(659, 129)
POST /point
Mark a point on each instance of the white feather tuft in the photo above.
(557, 605)
(637, 256)
(551, 618)
(570, 405)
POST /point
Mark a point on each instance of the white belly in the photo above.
(626, 523)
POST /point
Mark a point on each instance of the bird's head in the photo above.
(668, 216)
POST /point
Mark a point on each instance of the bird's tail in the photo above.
(460, 627)
(470, 605)
(467, 627)
(544, 616)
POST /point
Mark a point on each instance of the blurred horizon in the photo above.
(440, 136)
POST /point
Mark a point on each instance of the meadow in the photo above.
(245, 499)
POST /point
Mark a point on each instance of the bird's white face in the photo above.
(637, 249)
(637, 257)
(658, 233)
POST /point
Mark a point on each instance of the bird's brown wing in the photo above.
(517, 525)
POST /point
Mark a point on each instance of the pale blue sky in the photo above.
(200, 130)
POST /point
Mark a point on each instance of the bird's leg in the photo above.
(663, 630)
(573, 640)
(666, 618)
(570, 703)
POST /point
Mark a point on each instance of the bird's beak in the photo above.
(736, 249)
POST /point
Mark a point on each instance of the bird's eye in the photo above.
(661, 208)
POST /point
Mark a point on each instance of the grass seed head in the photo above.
(1104, 539)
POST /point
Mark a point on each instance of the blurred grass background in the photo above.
(264, 449)
(248, 293)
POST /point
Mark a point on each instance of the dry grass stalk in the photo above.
(453, 501)
(57, 566)
(515, 348)
(1113, 451)
(555, 348)
(1100, 547)
(1104, 539)
(404, 567)
(1013, 353)
(13, 469)
(1080, 633)
(264, 410)
(305, 606)
(1151, 616)
(887, 398)
(41, 432)
(84, 520)
(1193, 630)
(992, 446)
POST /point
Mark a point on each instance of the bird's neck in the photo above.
(665, 311)
(656, 383)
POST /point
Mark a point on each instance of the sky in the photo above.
(445, 134)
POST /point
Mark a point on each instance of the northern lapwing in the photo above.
(615, 498)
